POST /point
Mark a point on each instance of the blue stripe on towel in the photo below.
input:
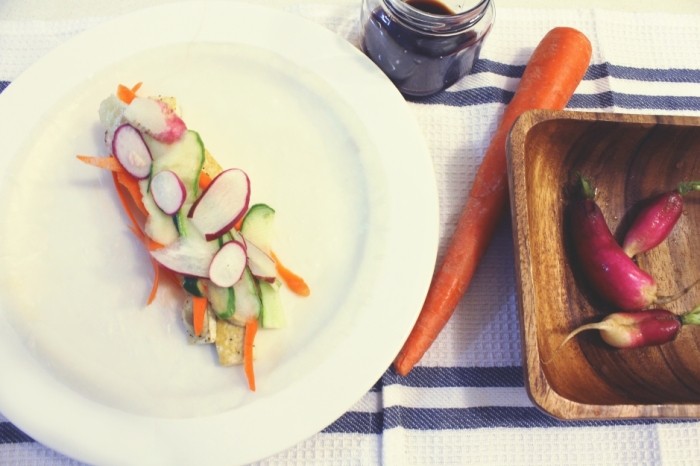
(11, 434)
(601, 70)
(3, 85)
(634, 101)
(490, 95)
(464, 418)
(434, 377)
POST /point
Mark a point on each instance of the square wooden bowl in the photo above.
(628, 158)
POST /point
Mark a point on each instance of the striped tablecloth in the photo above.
(466, 402)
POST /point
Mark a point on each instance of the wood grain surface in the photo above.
(629, 158)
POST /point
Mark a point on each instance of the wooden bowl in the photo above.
(629, 158)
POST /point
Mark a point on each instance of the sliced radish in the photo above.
(222, 204)
(261, 265)
(227, 266)
(132, 152)
(187, 256)
(155, 118)
(168, 191)
(235, 234)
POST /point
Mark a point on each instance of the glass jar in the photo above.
(424, 46)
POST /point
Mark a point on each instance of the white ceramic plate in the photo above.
(327, 141)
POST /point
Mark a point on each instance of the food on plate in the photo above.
(555, 69)
(197, 223)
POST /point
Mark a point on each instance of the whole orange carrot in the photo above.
(551, 76)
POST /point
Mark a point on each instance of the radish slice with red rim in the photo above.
(228, 264)
(132, 152)
(221, 204)
(168, 191)
(187, 256)
(262, 266)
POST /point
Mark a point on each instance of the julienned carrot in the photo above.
(199, 311)
(551, 76)
(156, 282)
(204, 180)
(131, 185)
(294, 282)
(139, 233)
(125, 204)
(108, 163)
(251, 328)
(127, 94)
(123, 177)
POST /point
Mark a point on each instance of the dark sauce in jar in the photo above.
(431, 6)
(421, 59)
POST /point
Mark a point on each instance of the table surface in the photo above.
(615, 443)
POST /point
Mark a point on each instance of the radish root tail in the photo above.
(592, 326)
(663, 300)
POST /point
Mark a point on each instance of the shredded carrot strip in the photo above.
(108, 163)
(199, 310)
(152, 245)
(125, 204)
(131, 185)
(239, 224)
(126, 94)
(156, 281)
(138, 232)
(295, 283)
(204, 180)
(251, 328)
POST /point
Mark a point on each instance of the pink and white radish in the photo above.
(221, 204)
(132, 152)
(638, 329)
(168, 191)
(190, 256)
(155, 118)
(613, 275)
(262, 266)
(228, 264)
(656, 219)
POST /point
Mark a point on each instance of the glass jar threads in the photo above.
(424, 46)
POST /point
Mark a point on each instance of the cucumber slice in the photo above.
(193, 286)
(257, 226)
(222, 300)
(247, 297)
(185, 157)
(272, 312)
(180, 219)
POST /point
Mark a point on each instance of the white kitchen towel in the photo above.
(465, 403)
